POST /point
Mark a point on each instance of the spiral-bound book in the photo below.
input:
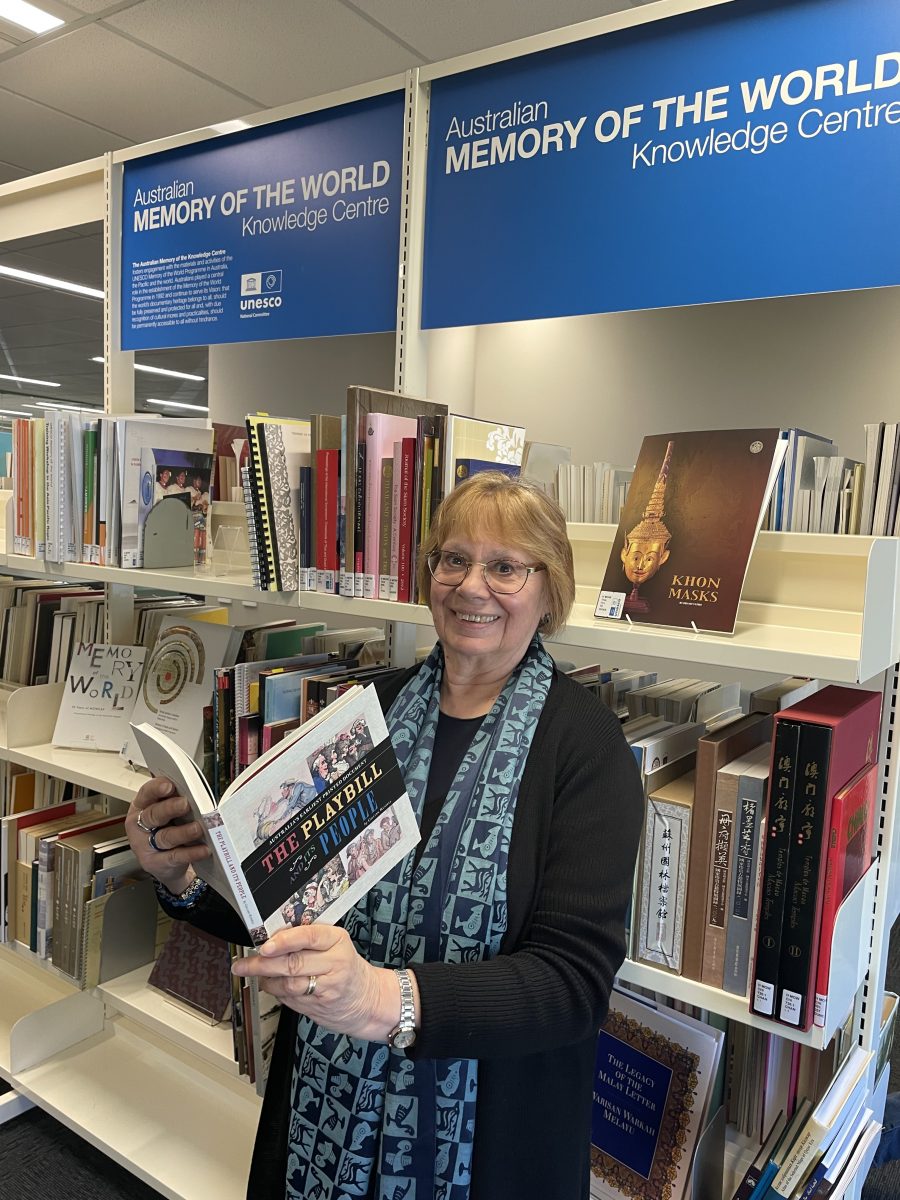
(279, 447)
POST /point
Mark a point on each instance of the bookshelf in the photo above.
(120, 1065)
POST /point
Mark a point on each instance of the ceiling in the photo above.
(121, 72)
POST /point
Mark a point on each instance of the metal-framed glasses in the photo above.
(505, 576)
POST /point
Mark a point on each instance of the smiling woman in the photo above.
(450, 1026)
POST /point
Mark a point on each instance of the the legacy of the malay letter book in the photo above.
(308, 829)
(688, 527)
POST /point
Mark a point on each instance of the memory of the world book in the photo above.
(310, 827)
(688, 527)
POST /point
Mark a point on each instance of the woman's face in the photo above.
(488, 630)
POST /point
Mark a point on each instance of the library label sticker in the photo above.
(610, 604)
(287, 230)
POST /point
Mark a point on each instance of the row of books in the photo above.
(592, 492)
(85, 483)
(340, 504)
(751, 842)
(800, 1119)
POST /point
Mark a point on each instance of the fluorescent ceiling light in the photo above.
(52, 404)
(179, 404)
(14, 412)
(61, 285)
(159, 371)
(29, 16)
(25, 379)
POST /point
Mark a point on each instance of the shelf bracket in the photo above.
(13, 1104)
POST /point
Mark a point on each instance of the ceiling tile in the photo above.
(135, 91)
(441, 30)
(39, 139)
(94, 7)
(278, 52)
(8, 171)
(5, 45)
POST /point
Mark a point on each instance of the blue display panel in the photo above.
(747, 150)
(286, 231)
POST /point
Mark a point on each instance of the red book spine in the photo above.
(847, 857)
(326, 509)
(407, 494)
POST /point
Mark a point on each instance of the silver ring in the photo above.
(141, 825)
(311, 985)
(151, 838)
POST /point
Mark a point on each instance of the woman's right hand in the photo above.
(180, 845)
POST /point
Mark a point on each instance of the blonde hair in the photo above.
(518, 514)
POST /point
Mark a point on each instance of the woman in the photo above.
(506, 924)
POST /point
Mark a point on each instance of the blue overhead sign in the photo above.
(746, 150)
(286, 231)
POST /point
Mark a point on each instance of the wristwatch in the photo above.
(404, 1035)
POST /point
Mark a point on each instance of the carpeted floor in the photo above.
(42, 1160)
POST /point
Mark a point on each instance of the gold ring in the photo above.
(311, 985)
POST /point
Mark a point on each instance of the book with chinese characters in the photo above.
(310, 827)
(684, 539)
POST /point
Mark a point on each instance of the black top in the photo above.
(452, 739)
(531, 1014)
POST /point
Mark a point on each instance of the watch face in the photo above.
(402, 1039)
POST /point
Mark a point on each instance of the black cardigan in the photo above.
(531, 1014)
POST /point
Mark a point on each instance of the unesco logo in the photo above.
(261, 290)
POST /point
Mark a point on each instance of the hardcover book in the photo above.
(488, 443)
(663, 869)
(838, 738)
(848, 854)
(99, 696)
(686, 533)
(652, 1082)
(194, 968)
(287, 837)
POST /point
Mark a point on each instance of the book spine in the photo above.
(223, 848)
(778, 834)
(662, 872)
(359, 521)
(265, 544)
(304, 540)
(714, 936)
(395, 518)
(404, 555)
(384, 528)
(747, 855)
(252, 536)
(803, 894)
(327, 514)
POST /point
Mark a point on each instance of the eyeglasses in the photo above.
(504, 576)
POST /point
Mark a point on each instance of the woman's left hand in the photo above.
(350, 995)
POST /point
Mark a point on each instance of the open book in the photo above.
(310, 827)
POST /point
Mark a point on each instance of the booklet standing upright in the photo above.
(310, 827)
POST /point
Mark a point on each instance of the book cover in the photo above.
(838, 737)
(848, 854)
(767, 951)
(99, 696)
(686, 533)
(652, 1081)
(132, 438)
(467, 467)
(178, 681)
(474, 440)
(663, 871)
(181, 476)
(743, 890)
(725, 825)
(382, 430)
(195, 968)
(713, 751)
(287, 837)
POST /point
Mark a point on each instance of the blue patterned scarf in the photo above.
(367, 1120)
